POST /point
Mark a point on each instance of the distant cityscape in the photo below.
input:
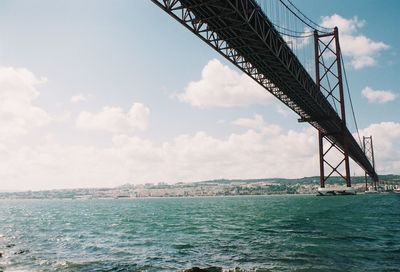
(308, 185)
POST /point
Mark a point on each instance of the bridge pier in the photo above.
(368, 148)
(329, 80)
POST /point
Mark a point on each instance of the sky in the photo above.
(100, 93)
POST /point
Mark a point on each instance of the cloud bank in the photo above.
(194, 157)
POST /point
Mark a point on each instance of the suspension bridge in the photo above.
(293, 58)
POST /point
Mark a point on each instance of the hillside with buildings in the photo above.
(222, 187)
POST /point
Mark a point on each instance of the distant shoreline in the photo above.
(211, 188)
(158, 197)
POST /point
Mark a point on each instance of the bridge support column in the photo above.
(321, 159)
(369, 152)
(333, 154)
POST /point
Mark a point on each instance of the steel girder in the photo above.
(241, 32)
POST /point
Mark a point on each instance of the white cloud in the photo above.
(257, 123)
(346, 26)
(79, 98)
(378, 96)
(18, 91)
(220, 86)
(115, 120)
(251, 154)
(386, 139)
(361, 49)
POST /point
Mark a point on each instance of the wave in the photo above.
(220, 269)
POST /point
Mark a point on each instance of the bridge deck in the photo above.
(240, 31)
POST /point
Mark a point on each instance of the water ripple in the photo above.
(271, 233)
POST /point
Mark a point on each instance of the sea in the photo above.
(240, 233)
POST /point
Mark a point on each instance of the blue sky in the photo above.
(97, 91)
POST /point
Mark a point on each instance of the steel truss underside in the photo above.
(240, 31)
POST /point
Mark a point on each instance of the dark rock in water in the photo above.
(10, 245)
(208, 269)
(1, 254)
(21, 251)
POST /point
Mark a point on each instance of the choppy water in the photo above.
(279, 233)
